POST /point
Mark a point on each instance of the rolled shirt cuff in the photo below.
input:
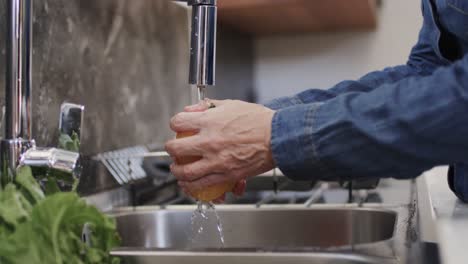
(292, 143)
(283, 102)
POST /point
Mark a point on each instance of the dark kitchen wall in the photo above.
(126, 61)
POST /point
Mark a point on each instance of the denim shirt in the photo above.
(398, 122)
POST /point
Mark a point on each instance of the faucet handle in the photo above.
(52, 158)
(71, 120)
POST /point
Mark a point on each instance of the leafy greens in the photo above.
(40, 228)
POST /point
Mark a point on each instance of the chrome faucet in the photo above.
(18, 147)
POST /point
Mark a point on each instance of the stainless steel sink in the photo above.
(270, 234)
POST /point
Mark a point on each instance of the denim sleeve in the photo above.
(458, 180)
(398, 130)
(422, 61)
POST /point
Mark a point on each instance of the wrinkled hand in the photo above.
(233, 140)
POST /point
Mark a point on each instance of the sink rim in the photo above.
(122, 211)
(315, 255)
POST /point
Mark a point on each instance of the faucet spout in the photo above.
(202, 42)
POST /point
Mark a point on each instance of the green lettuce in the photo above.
(71, 143)
(40, 228)
(52, 233)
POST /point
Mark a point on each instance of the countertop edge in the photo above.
(449, 216)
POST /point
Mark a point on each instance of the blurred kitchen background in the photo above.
(127, 61)
(382, 36)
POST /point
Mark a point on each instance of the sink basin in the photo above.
(264, 235)
(258, 228)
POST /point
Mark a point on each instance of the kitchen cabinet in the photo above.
(266, 17)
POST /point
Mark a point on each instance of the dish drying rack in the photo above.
(127, 166)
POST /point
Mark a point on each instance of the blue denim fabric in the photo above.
(398, 122)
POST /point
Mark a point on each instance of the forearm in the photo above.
(366, 84)
(398, 130)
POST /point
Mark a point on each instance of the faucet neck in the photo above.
(17, 138)
(18, 70)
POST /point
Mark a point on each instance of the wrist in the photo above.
(270, 162)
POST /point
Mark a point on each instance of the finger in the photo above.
(204, 182)
(239, 188)
(204, 105)
(185, 190)
(200, 107)
(220, 199)
(217, 103)
(184, 147)
(193, 171)
(186, 122)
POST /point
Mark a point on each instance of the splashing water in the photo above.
(199, 220)
(219, 226)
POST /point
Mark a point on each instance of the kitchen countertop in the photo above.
(446, 215)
